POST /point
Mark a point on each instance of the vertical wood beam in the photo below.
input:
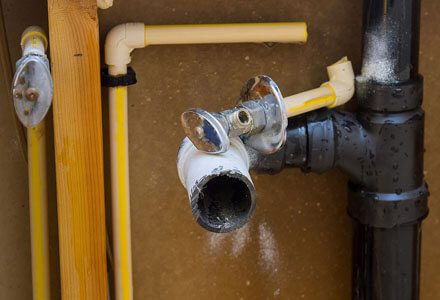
(5, 82)
(74, 51)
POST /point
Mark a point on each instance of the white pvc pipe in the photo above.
(226, 33)
(124, 38)
(198, 169)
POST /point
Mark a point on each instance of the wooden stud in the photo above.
(74, 50)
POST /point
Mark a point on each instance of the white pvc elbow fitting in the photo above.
(220, 189)
(104, 4)
(119, 44)
(341, 77)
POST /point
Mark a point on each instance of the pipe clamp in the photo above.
(387, 210)
(108, 80)
(390, 97)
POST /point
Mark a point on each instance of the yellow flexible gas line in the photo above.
(34, 39)
(38, 211)
(311, 100)
(121, 193)
(120, 42)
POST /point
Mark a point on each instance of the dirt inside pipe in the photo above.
(223, 203)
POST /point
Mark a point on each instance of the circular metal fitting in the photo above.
(205, 131)
(32, 94)
(266, 92)
(242, 118)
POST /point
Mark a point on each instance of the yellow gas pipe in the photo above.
(38, 211)
(35, 38)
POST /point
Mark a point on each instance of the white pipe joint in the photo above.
(119, 44)
(220, 189)
(34, 41)
(341, 81)
(104, 4)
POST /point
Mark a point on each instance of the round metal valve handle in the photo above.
(260, 119)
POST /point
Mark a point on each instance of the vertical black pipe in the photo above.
(381, 149)
(391, 39)
(388, 205)
(386, 249)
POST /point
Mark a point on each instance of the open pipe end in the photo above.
(223, 202)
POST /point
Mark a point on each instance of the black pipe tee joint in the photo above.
(381, 149)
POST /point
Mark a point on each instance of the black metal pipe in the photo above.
(391, 39)
(381, 149)
(378, 272)
(383, 156)
(388, 208)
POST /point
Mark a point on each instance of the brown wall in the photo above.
(298, 244)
